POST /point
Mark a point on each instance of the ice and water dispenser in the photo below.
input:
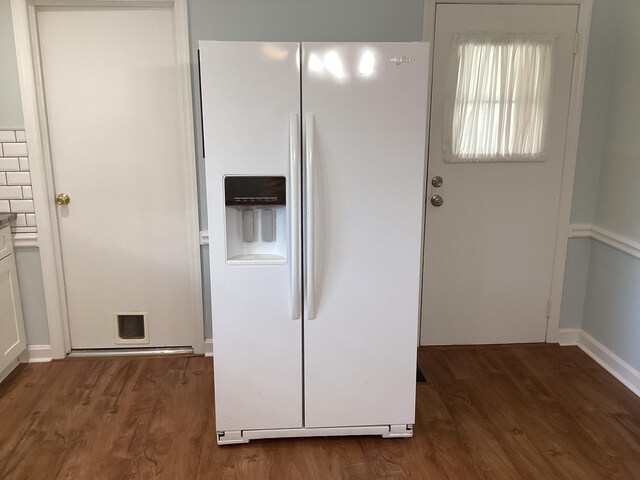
(255, 219)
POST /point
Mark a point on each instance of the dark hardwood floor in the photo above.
(541, 412)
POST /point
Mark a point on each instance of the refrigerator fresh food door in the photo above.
(365, 110)
(251, 117)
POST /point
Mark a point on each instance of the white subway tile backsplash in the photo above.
(14, 149)
(16, 194)
(11, 193)
(20, 221)
(21, 206)
(9, 164)
(24, 230)
(18, 178)
(7, 136)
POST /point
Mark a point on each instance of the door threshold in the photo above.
(129, 352)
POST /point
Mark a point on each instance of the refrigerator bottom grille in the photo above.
(243, 436)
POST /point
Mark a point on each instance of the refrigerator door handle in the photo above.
(294, 201)
(309, 220)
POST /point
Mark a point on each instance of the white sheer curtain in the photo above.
(497, 105)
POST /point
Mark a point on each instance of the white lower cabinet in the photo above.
(12, 336)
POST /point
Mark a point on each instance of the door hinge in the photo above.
(575, 43)
(549, 308)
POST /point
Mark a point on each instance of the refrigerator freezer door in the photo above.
(369, 108)
(250, 93)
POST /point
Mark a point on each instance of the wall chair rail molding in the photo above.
(40, 167)
(607, 237)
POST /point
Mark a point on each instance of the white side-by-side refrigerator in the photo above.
(315, 175)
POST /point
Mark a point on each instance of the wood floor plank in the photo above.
(488, 413)
(434, 421)
(500, 402)
(489, 459)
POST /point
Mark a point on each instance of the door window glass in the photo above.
(497, 106)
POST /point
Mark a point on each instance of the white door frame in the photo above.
(35, 120)
(563, 229)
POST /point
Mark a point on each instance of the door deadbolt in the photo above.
(63, 199)
(437, 181)
(437, 200)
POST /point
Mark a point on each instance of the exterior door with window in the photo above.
(500, 102)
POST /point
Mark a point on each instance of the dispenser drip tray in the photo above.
(255, 209)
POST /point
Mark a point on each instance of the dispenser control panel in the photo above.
(248, 190)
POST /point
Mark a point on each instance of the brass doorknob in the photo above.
(63, 199)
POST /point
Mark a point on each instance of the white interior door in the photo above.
(489, 248)
(368, 105)
(117, 147)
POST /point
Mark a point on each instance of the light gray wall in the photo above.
(32, 295)
(618, 207)
(595, 107)
(10, 105)
(575, 282)
(612, 306)
(384, 20)
(27, 259)
(291, 21)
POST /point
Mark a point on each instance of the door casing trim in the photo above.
(563, 227)
(34, 109)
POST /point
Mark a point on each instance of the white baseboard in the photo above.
(568, 336)
(208, 347)
(625, 373)
(36, 354)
